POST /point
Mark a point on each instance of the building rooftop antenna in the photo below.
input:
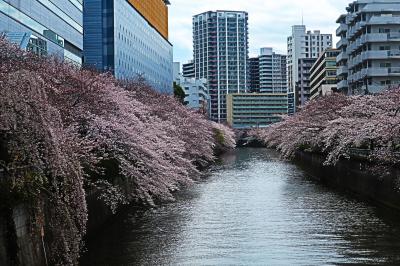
(302, 17)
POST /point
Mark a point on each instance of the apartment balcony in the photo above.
(350, 18)
(373, 88)
(383, 71)
(354, 46)
(357, 76)
(343, 84)
(359, 26)
(342, 29)
(380, 37)
(355, 61)
(342, 71)
(390, 54)
(384, 20)
(341, 43)
(341, 57)
(351, 32)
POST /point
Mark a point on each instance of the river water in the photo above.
(253, 209)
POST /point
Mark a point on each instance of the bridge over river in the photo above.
(253, 209)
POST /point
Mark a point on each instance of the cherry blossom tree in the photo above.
(79, 130)
(335, 125)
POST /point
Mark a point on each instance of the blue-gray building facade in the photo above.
(120, 40)
(369, 59)
(272, 71)
(220, 47)
(45, 27)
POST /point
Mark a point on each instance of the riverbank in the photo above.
(252, 209)
(355, 176)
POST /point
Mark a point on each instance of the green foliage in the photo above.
(219, 137)
(24, 189)
(179, 93)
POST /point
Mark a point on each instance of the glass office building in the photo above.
(220, 46)
(44, 26)
(130, 39)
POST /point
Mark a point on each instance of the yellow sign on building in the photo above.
(155, 12)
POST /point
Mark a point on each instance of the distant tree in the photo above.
(179, 93)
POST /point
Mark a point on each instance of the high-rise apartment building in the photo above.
(302, 44)
(272, 67)
(44, 27)
(303, 86)
(323, 80)
(130, 39)
(254, 74)
(370, 46)
(267, 72)
(220, 47)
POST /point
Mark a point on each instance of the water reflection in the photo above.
(253, 209)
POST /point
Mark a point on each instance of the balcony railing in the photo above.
(341, 43)
(342, 70)
(382, 71)
(342, 56)
(368, 55)
(342, 28)
(383, 20)
(342, 84)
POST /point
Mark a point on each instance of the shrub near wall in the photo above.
(75, 130)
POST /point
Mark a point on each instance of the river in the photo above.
(253, 209)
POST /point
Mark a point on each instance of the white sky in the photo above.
(270, 21)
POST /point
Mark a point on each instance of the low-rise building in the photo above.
(196, 90)
(254, 110)
(323, 78)
(196, 94)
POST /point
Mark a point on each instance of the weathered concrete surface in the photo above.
(356, 177)
(20, 243)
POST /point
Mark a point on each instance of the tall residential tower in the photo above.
(220, 47)
(273, 76)
(302, 44)
(130, 39)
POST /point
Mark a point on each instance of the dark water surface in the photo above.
(254, 209)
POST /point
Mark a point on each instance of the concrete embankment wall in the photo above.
(20, 243)
(355, 176)
(20, 240)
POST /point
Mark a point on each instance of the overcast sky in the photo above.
(270, 21)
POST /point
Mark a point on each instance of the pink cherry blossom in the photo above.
(85, 131)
